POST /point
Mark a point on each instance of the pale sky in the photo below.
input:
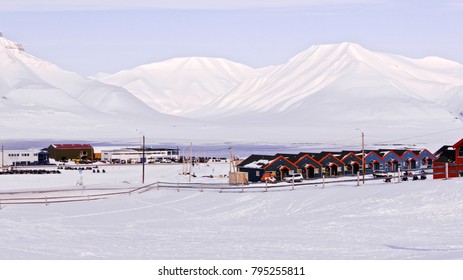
(108, 36)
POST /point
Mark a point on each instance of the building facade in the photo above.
(135, 155)
(65, 152)
(24, 157)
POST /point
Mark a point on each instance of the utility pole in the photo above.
(3, 164)
(191, 162)
(363, 157)
(143, 159)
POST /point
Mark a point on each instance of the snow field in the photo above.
(410, 220)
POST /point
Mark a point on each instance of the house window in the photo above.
(460, 152)
(257, 173)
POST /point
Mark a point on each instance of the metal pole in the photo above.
(191, 162)
(363, 157)
(143, 162)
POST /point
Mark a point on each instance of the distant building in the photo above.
(135, 155)
(65, 152)
(24, 157)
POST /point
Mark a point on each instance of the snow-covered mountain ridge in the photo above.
(39, 99)
(180, 85)
(336, 72)
(322, 94)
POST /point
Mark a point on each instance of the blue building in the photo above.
(309, 167)
(258, 165)
(374, 162)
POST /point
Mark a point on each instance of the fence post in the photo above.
(178, 187)
(266, 185)
(201, 186)
(446, 170)
(323, 181)
(292, 188)
(242, 186)
(358, 178)
(46, 201)
(157, 186)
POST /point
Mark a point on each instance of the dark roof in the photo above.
(399, 152)
(254, 158)
(71, 146)
(290, 157)
(442, 150)
(446, 156)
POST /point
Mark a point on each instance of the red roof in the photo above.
(72, 146)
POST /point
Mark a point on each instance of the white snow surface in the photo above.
(408, 220)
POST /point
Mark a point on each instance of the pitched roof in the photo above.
(442, 150)
(458, 144)
(256, 161)
(71, 146)
(446, 156)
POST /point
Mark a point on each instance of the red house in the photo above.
(449, 161)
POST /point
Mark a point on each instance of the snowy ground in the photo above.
(410, 220)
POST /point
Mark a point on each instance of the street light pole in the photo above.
(363, 155)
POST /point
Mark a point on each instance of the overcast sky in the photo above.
(108, 36)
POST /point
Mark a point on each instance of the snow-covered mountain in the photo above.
(320, 95)
(180, 85)
(346, 82)
(39, 99)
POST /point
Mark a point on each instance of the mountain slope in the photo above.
(180, 85)
(347, 78)
(39, 99)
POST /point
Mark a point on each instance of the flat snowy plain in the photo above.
(399, 221)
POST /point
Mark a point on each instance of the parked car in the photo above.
(295, 177)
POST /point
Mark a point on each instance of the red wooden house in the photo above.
(449, 161)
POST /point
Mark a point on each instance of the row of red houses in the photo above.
(315, 165)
